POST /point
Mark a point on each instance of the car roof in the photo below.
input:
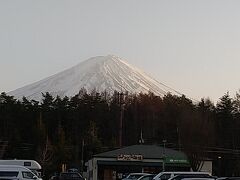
(13, 167)
(184, 172)
(148, 175)
(228, 178)
(181, 172)
(136, 174)
(193, 178)
(184, 176)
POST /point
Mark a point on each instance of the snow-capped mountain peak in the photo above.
(101, 73)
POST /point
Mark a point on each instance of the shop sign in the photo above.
(130, 157)
(176, 160)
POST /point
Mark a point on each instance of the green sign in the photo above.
(176, 160)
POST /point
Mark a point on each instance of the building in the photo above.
(113, 165)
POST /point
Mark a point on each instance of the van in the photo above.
(33, 165)
(167, 175)
(18, 172)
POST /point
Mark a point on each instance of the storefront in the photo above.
(114, 165)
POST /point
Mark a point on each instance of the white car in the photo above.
(135, 176)
(191, 176)
(168, 175)
(147, 177)
(198, 179)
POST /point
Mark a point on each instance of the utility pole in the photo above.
(179, 140)
(164, 153)
(121, 103)
(82, 151)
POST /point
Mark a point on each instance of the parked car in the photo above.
(199, 178)
(135, 176)
(70, 176)
(191, 176)
(167, 175)
(228, 178)
(147, 177)
(33, 165)
(17, 172)
(73, 170)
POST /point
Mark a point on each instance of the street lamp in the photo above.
(219, 165)
(82, 161)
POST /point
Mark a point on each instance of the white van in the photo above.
(168, 175)
(33, 165)
(18, 172)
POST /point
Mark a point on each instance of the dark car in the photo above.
(70, 176)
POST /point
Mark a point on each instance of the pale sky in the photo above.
(192, 46)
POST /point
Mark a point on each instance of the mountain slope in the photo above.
(100, 73)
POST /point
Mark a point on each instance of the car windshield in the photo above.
(179, 177)
(8, 173)
(135, 176)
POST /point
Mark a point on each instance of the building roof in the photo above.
(147, 151)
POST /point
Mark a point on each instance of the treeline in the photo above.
(69, 130)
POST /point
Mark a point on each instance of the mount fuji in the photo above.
(102, 73)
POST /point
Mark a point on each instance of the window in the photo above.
(37, 173)
(165, 176)
(27, 175)
(147, 178)
(8, 173)
(27, 163)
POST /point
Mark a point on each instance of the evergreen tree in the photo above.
(225, 130)
(225, 123)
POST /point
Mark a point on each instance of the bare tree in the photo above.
(45, 153)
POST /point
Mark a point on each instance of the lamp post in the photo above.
(82, 161)
(219, 166)
(164, 142)
(121, 104)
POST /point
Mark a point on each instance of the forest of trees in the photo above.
(52, 131)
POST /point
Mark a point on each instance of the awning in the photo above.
(129, 163)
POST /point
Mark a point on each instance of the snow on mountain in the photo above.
(100, 73)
